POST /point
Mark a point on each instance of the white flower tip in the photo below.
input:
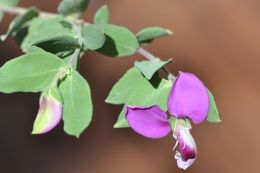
(181, 163)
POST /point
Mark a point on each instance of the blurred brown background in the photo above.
(217, 40)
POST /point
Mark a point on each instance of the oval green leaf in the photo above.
(119, 41)
(72, 7)
(77, 111)
(147, 35)
(93, 37)
(32, 72)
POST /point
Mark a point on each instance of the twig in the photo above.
(20, 10)
(146, 54)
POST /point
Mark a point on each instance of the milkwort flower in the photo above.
(188, 98)
(50, 111)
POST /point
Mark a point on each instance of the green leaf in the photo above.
(213, 115)
(149, 68)
(121, 121)
(43, 29)
(77, 111)
(134, 89)
(72, 7)
(147, 35)
(119, 41)
(58, 44)
(93, 37)
(102, 15)
(32, 72)
(19, 22)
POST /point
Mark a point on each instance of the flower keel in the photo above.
(187, 147)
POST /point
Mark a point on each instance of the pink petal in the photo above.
(150, 122)
(189, 98)
(49, 114)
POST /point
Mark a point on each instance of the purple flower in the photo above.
(50, 112)
(188, 98)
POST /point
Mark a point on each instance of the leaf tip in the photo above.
(169, 32)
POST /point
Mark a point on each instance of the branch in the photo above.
(20, 10)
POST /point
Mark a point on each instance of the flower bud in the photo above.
(50, 111)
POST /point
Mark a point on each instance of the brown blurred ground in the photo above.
(217, 40)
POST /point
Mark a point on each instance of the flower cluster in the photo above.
(188, 99)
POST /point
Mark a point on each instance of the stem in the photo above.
(73, 61)
(77, 27)
(146, 54)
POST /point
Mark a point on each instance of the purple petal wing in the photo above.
(189, 98)
(150, 122)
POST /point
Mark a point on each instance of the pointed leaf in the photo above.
(213, 115)
(134, 89)
(93, 37)
(149, 68)
(20, 21)
(121, 121)
(102, 15)
(119, 41)
(147, 35)
(77, 111)
(32, 72)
